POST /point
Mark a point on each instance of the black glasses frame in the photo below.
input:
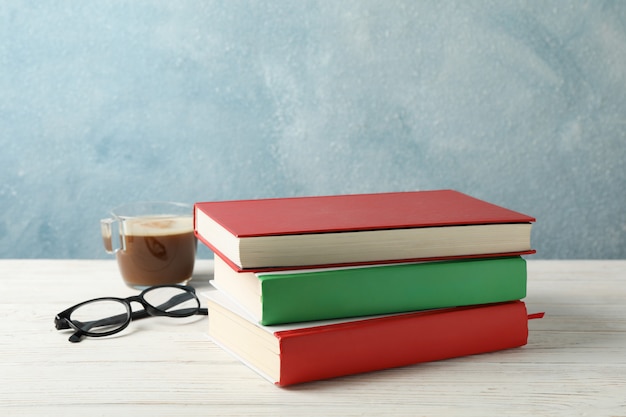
(62, 321)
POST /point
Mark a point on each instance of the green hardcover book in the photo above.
(318, 294)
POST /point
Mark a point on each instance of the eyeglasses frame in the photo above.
(62, 320)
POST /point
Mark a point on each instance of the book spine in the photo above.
(352, 292)
(400, 340)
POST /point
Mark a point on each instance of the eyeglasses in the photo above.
(109, 315)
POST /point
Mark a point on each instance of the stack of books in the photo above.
(310, 288)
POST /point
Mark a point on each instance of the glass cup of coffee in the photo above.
(153, 242)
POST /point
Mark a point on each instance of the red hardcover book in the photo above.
(359, 229)
(292, 354)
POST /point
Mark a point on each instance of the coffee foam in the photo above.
(158, 225)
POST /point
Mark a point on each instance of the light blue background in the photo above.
(522, 103)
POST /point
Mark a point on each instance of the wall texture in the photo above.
(522, 103)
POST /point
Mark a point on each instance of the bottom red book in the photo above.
(302, 352)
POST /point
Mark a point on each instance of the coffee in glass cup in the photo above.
(153, 242)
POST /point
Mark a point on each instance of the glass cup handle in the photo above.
(110, 234)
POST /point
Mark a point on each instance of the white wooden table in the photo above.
(574, 364)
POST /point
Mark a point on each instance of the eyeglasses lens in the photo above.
(174, 301)
(100, 316)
